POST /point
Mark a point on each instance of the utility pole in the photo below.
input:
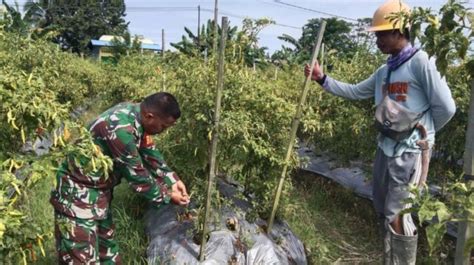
(466, 228)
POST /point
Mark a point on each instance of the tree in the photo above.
(248, 40)
(125, 45)
(361, 37)
(77, 22)
(338, 36)
(15, 21)
(245, 41)
(192, 45)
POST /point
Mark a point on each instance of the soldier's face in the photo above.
(155, 124)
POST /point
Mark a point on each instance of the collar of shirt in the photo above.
(138, 118)
(393, 62)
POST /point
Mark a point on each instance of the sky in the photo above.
(149, 17)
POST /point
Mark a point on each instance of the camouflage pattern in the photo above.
(77, 240)
(82, 200)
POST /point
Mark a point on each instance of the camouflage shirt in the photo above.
(120, 135)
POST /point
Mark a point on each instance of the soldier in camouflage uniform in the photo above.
(84, 228)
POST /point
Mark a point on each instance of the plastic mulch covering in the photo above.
(232, 240)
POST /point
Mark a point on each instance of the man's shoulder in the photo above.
(381, 71)
(420, 57)
(125, 111)
(118, 116)
(421, 60)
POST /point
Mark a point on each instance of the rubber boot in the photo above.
(385, 237)
(382, 228)
(400, 249)
(387, 248)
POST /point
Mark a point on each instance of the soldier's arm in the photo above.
(126, 156)
(155, 163)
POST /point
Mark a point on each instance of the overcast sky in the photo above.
(149, 17)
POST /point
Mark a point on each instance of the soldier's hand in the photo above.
(317, 72)
(179, 195)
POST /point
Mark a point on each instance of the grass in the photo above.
(41, 213)
(128, 209)
(338, 227)
(334, 225)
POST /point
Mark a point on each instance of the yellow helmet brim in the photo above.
(383, 27)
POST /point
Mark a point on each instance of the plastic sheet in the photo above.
(171, 240)
(353, 177)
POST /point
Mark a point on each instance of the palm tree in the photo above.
(194, 45)
(244, 42)
(24, 24)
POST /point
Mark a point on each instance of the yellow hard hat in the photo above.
(381, 22)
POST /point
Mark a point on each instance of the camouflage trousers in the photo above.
(84, 241)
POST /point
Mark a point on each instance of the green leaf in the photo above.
(434, 234)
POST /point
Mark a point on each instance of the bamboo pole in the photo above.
(199, 27)
(162, 42)
(466, 228)
(294, 126)
(215, 135)
(321, 58)
(216, 13)
(163, 80)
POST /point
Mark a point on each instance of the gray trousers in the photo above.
(392, 177)
(391, 182)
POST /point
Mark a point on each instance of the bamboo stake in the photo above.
(466, 228)
(215, 134)
(199, 27)
(163, 81)
(162, 42)
(216, 12)
(321, 58)
(294, 126)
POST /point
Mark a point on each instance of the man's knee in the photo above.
(75, 240)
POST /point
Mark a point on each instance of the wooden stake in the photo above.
(321, 59)
(466, 229)
(163, 81)
(162, 42)
(294, 126)
(199, 28)
(216, 13)
(215, 135)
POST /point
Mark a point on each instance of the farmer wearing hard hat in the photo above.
(412, 102)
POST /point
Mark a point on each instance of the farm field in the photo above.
(51, 89)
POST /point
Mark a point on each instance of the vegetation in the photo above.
(71, 24)
(244, 42)
(340, 36)
(42, 89)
